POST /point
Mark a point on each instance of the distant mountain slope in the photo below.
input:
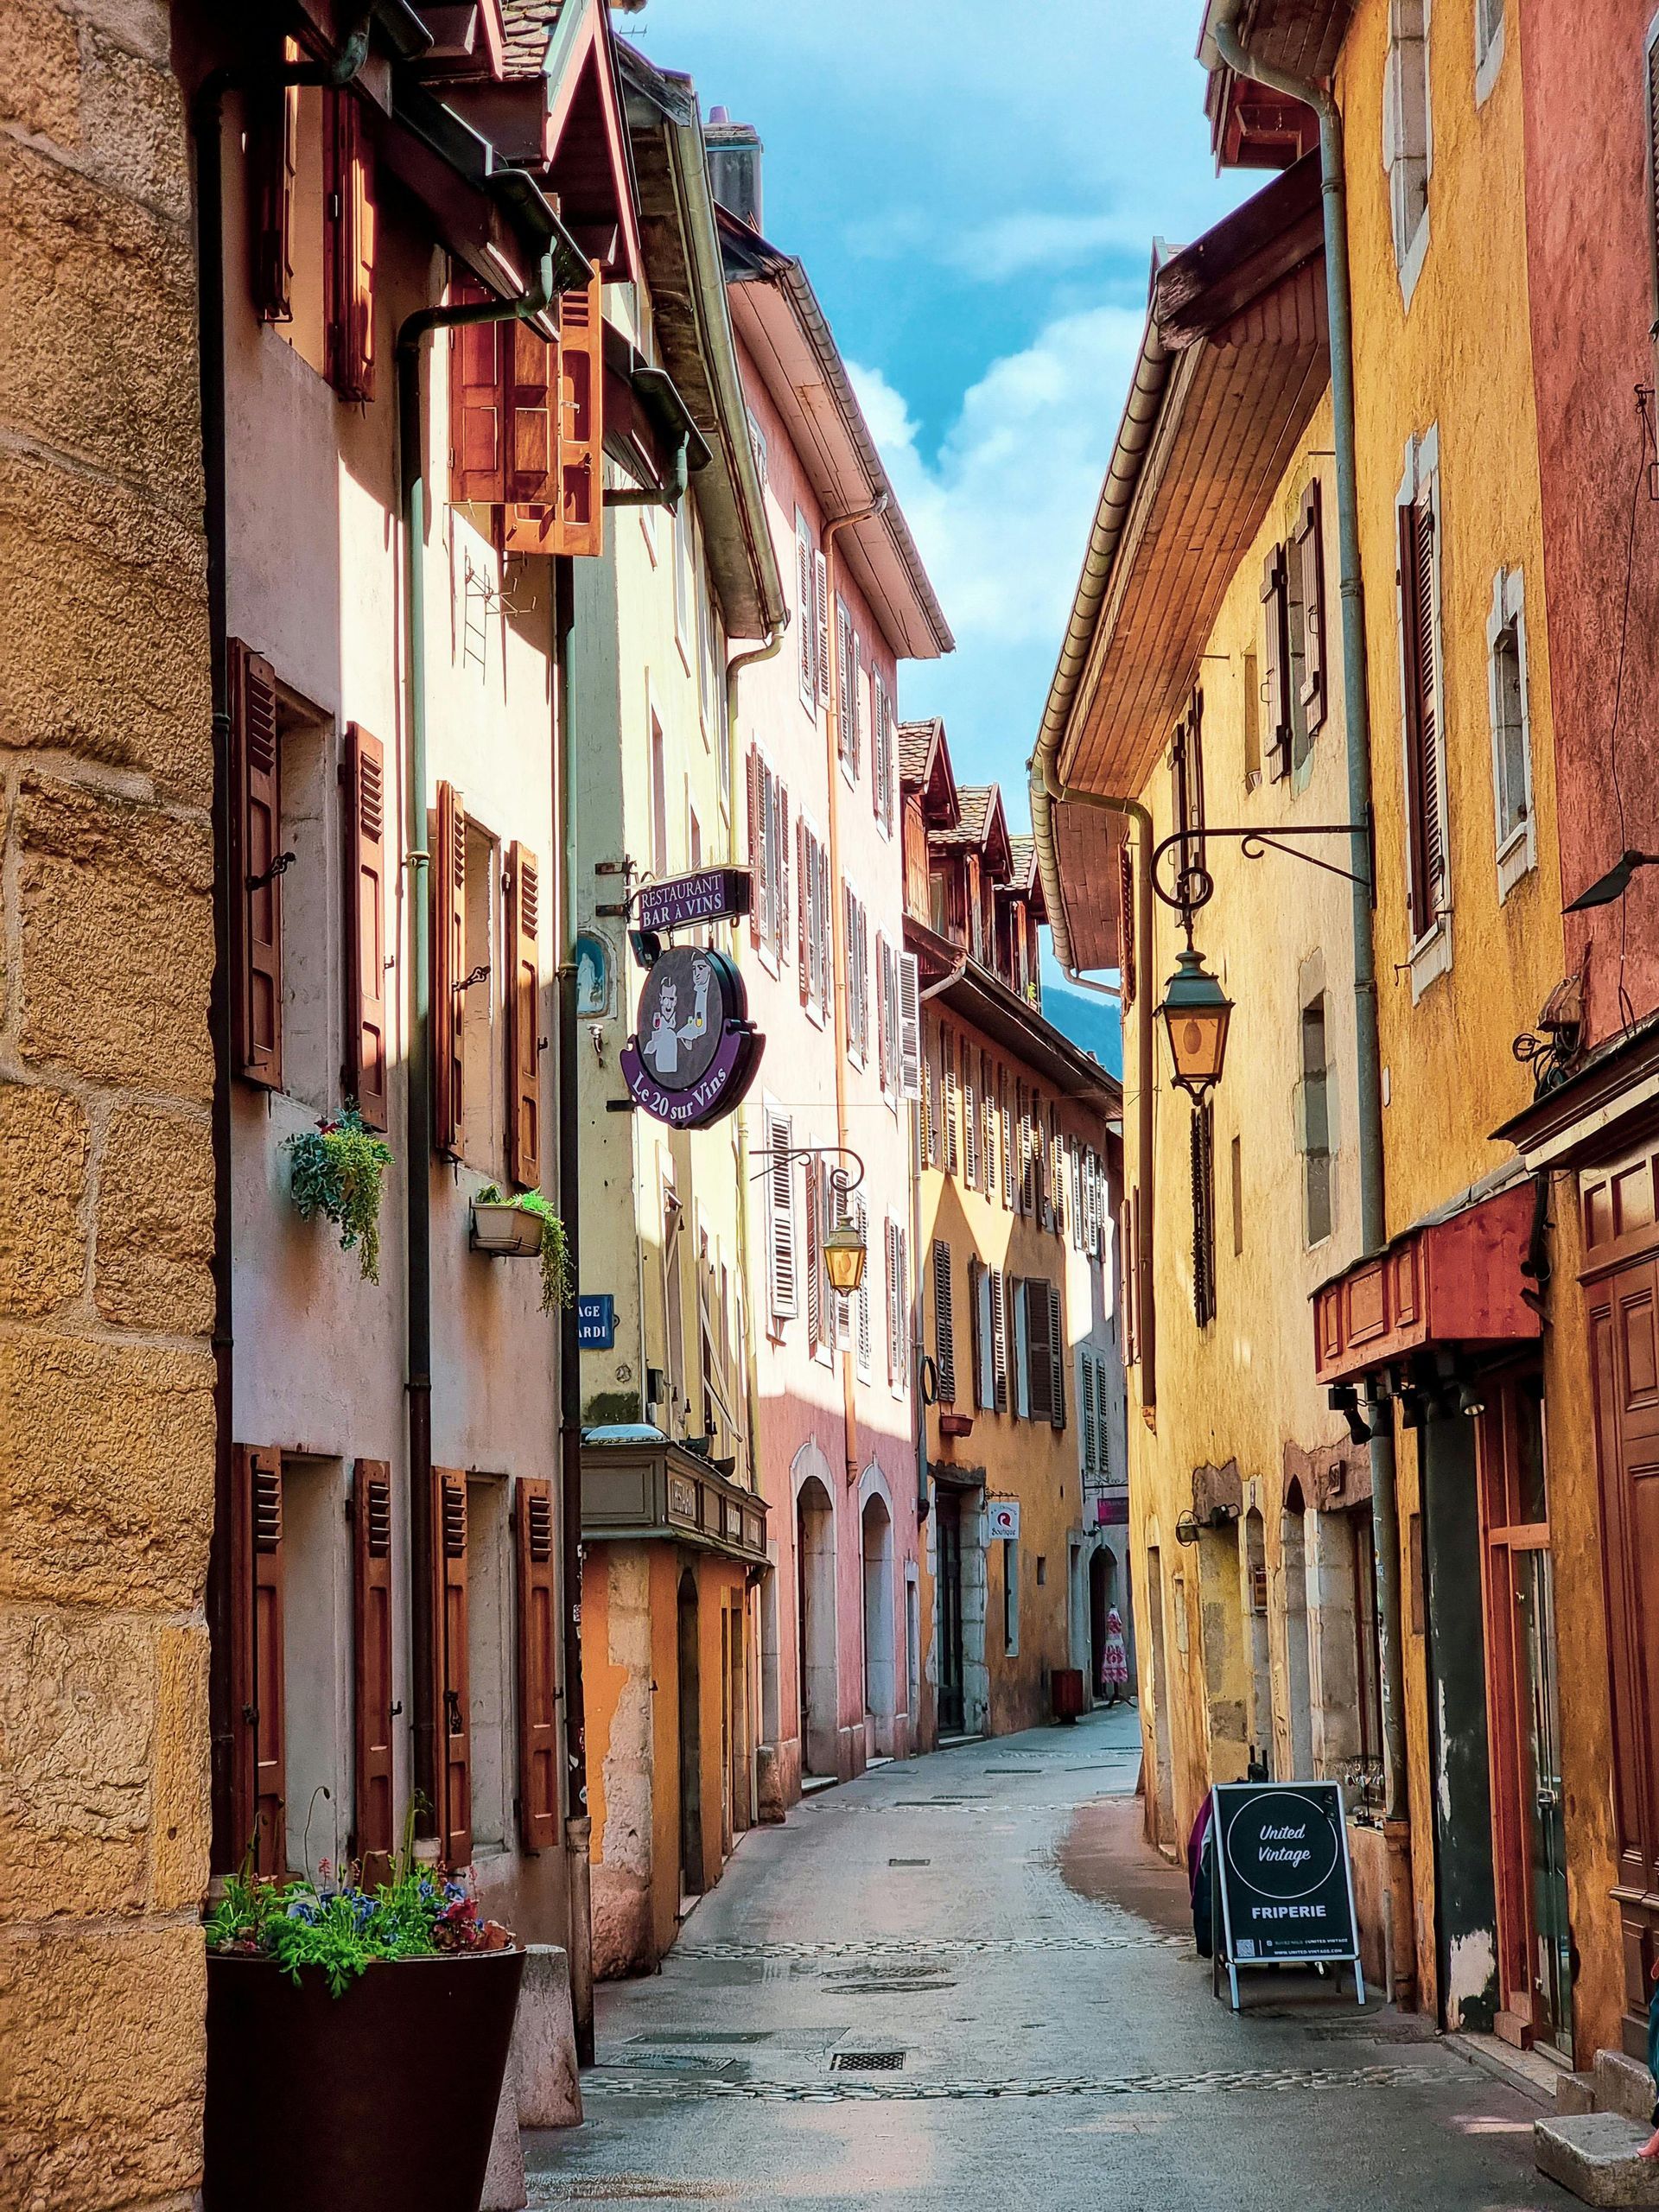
(1093, 1022)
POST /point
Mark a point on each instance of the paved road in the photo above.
(989, 1915)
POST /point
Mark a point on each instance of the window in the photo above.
(311, 176)
(1427, 884)
(898, 1281)
(781, 1294)
(1315, 1123)
(768, 859)
(883, 765)
(855, 925)
(815, 942)
(848, 721)
(1407, 137)
(1506, 675)
(944, 1323)
(658, 800)
(1367, 1644)
(1019, 1344)
(898, 1019)
(1488, 46)
(1204, 1215)
(985, 1287)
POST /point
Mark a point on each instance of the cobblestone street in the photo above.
(905, 1997)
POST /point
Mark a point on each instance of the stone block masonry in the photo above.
(106, 1422)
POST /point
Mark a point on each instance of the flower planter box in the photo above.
(506, 1232)
(380, 2100)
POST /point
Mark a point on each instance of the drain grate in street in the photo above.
(676, 2037)
(909, 1862)
(867, 2061)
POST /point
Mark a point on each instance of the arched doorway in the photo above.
(879, 1684)
(1299, 1679)
(1102, 1595)
(815, 1559)
(691, 1687)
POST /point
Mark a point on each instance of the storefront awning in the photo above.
(643, 1487)
(1460, 1281)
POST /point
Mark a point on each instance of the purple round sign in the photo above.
(693, 1053)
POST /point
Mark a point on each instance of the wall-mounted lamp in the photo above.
(647, 947)
(1470, 1401)
(1195, 1012)
(1343, 1398)
(1617, 882)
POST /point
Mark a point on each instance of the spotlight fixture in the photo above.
(1343, 1398)
(647, 947)
(1607, 888)
(1470, 1401)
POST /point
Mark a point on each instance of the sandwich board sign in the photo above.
(1282, 1878)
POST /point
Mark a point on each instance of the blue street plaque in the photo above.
(596, 1322)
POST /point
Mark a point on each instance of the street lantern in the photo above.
(1195, 1012)
(843, 1258)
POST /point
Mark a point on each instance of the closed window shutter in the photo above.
(948, 1048)
(579, 517)
(374, 1829)
(273, 113)
(1039, 1387)
(532, 364)
(826, 933)
(864, 982)
(538, 1645)
(1005, 1116)
(910, 1027)
(781, 1219)
(756, 883)
(987, 1127)
(453, 1707)
(814, 1316)
(804, 911)
(844, 724)
(901, 1305)
(259, 1705)
(999, 1343)
(806, 644)
(477, 433)
(257, 904)
(1086, 1401)
(862, 1217)
(1204, 1220)
(1425, 895)
(978, 1333)
(364, 963)
(969, 1120)
(1275, 605)
(524, 1018)
(448, 971)
(821, 602)
(944, 1323)
(780, 912)
(883, 1000)
(1126, 924)
(855, 699)
(349, 246)
(1056, 1357)
(1309, 547)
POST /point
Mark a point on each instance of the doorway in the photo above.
(691, 1876)
(877, 1530)
(947, 1539)
(1162, 1806)
(1253, 1566)
(1102, 1576)
(1299, 1678)
(1528, 1823)
(815, 1558)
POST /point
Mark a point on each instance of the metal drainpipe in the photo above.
(1146, 1160)
(918, 1349)
(419, 1143)
(832, 743)
(207, 125)
(1374, 1229)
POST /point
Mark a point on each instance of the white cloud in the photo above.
(1015, 244)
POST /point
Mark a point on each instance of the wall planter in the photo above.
(338, 1170)
(379, 2100)
(523, 1228)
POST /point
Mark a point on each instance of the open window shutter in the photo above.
(815, 1331)
(448, 871)
(478, 431)
(258, 1702)
(976, 1330)
(1126, 924)
(999, 1343)
(827, 932)
(821, 602)
(910, 1027)
(1056, 1358)
(257, 906)
(1310, 545)
(1040, 1385)
(780, 1218)
(901, 1305)
(273, 130)
(1275, 663)
(349, 247)
(524, 1018)
(1426, 882)
(1005, 1116)
(806, 598)
(878, 747)
(452, 1711)
(374, 1828)
(944, 1322)
(579, 520)
(365, 777)
(539, 1643)
(1086, 1404)
(532, 367)
(803, 910)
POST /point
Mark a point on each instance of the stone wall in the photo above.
(106, 1424)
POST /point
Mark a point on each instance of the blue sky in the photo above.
(975, 190)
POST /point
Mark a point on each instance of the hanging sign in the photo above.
(708, 895)
(1004, 1518)
(1285, 1883)
(695, 1051)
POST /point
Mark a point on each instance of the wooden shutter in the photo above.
(1276, 608)
(1040, 1388)
(1309, 547)
(780, 1218)
(273, 112)
(532, 367)
(806, 596)
(258, 1706)
(449, 872)
(976, 1330)
(852, 701)
(821, 604)
(1653, 165)
(999, 1343)
(757, 858)
(1125, 924)
(539, 1646)
(257, 905)
(815, 1328)
(944, 1322)
(478, 431)
(910, 1027)
(780, 888)
(803, 910)
(1056, 1357)
(452, 1710)
(1086, 1401)
(1425, 889)
(524, 1018)
(364, 774)
(948, 1053)
(374, 1827)
(969, 1119)
(1004, 1115)
(348, 247)
(579, 519)
(1204, 1219)
(862, 1217)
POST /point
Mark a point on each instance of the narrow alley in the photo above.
(964, 1979)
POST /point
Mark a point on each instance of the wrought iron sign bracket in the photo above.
(843, 1181)
(1193, 886)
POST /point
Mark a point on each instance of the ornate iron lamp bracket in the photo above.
(842, 1181)
(1192, 886)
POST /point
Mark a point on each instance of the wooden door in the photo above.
(1624, 1320)
(949, 1509)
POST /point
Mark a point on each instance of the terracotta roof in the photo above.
(915, 745)
(969, 828)
(1022, 853)
(528, 27)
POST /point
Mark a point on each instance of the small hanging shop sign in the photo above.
(680, 902)
(694, 1052)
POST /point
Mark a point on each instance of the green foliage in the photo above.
(558, 1288)
(337, 1171)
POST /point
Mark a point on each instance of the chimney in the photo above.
(734, 151)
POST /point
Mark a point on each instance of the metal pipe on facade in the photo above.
(207, 123)
(418, 1138)
(1374, 1229)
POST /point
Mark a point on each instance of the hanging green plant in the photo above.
(557, 1288)
(337, 1171)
